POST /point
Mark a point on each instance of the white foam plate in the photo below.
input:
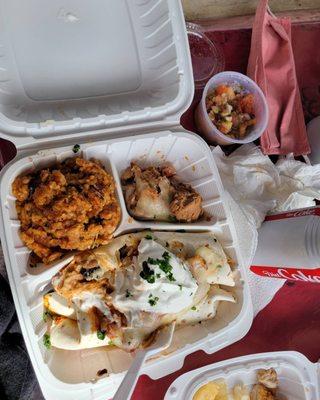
(299, 379)
(64, 373)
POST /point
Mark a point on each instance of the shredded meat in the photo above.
(70, 206)
(154, 193)
(260, 392)
(268, 378)
(147, 192)
(112, 327)
(267, 385)
(186, 204)
(167, 170)
(84, 275)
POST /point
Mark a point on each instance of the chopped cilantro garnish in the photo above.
(170, 277)
(219, 266)
(110, 343)
(148, 237)
(45, 315)
(152, 300)
(76, 148)
(46, 341)
(193, 308)
(147, 273)
(166, 256)
(101, 335)
(163, 264)
(180, 286)
(128, 294)
(158, 276)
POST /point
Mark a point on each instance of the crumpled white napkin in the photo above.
(260, 187)
(254, 187)
(262, 289)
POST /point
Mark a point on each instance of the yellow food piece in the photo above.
(208, 391)
(215, 390)
(224, 126)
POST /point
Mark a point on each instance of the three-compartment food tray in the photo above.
(299, 379)
(73, 371)
(117, 114)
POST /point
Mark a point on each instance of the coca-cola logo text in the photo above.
(295, 213)
(290, 273)
(301, 213)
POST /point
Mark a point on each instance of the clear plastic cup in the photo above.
(209, 131)
(207, 56)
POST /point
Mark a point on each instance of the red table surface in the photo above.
(292, 320)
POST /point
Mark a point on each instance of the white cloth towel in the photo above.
(254, 187)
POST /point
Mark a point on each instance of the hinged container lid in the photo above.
(77, 66)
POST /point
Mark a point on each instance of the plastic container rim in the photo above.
(216, 130)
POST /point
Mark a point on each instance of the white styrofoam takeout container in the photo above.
(118, 111)
(299, 379)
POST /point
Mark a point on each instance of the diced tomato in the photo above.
(247, 104)
(225, 89)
